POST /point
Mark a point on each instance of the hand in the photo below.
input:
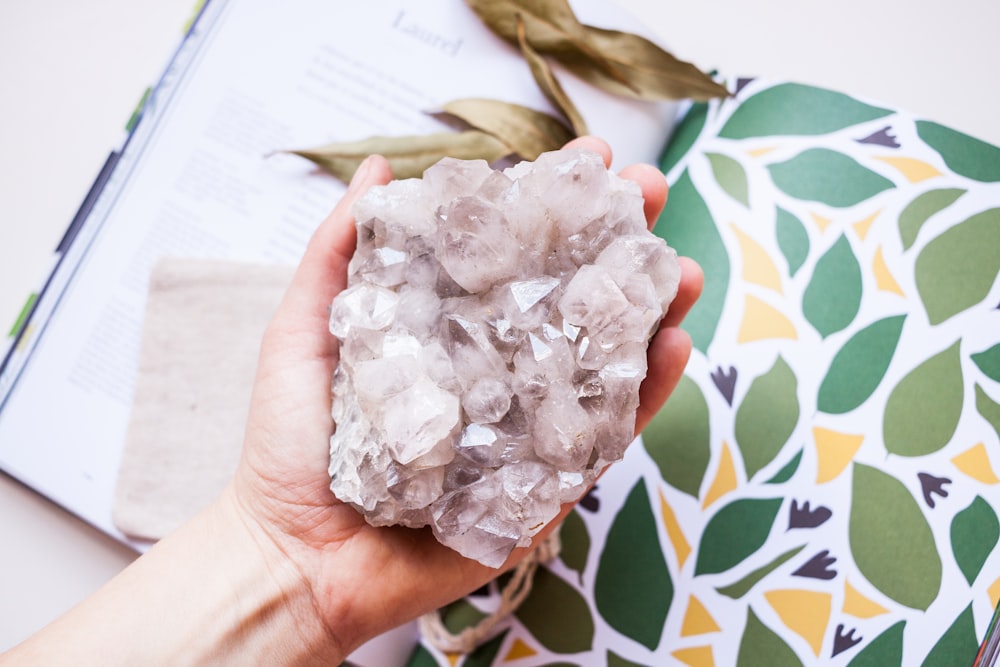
(366, 580)
(277, 570)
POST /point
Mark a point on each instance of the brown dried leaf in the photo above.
(550, 27)
(653, 74)
(551, 24)
(619, 62)
(548, 83)
(408, 155)
(526, 131)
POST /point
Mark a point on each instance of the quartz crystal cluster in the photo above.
(493, 338)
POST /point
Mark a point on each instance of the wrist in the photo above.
(214, 592)
(267, 614)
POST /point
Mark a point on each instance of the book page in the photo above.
(203, 176)
(821, 486)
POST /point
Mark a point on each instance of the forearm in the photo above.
(206, 594)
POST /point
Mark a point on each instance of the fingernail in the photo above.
(360, 174)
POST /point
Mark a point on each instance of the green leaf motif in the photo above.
(922, 412)
(988, 362)
(828, 177)
(859, 366)
(795, 109)
(575, 543)
(730, 176)
(963, 154)
(886, 650)
(735, 532)
(684, 135)
(988, 409)
(918, 211)
(787, 471)
(956, 270)
(486, 654)
(743, 586)
(421, 657)
(678, 438)
(891, 541)
(760, 646)
(957, 646)
(833, 295)
(633, 589)
(460, 615)
(974, 534)
(793, 240)
(767, 416)
(557, 615)
(689, 228)
(615, 660)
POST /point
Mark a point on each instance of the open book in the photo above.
(198, 177)
(821, 489)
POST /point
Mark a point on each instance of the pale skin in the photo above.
(276, 570)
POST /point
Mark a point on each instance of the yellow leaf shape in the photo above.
(821, 222)
(994, 593)
(883, 278)
(519, 650)
(762, 321)
(757, 152)
(862, 227)
(975, 463)
(697, 620)
(453, 658)
(834, 450)
(806, 613)
(757, 265)
(725, 478)
(696, 656)
(858, 605)
(913, 170)
(674, 532)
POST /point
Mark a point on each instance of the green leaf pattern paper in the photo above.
(827, 489)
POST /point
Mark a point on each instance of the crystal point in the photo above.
(493, 340)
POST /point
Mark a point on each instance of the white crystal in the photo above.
(527, 293)
(493, 340)
(487, 401)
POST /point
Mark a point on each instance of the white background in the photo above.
(71, 73)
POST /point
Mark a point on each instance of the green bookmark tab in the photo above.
(134, 118)
(22, 317)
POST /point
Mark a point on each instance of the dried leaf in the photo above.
(651, 72)
(619, 62)
(550, 27)
(527, 132)
(408, 155)
(551, 24)
(549, 84)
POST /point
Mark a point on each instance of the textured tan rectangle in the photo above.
(201, 334)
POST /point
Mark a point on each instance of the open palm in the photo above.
(366, 580)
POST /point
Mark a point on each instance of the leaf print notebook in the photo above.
(822, 487)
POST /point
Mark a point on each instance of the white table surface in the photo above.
(71, 73)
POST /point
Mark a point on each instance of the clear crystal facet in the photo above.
(493, 339)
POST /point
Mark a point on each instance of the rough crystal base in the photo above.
(493, 338)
